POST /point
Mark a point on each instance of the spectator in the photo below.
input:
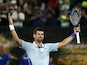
(49, 9)
(65, 6)
(18, 17)
(28, 13)
(24, 60)
(53, 3)
(64, 19)
(38, 18)
(4, 58)
(13, 5)
(51, 18)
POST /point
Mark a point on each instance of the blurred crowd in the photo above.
(42, 13)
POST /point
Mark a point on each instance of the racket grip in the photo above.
(78, 37)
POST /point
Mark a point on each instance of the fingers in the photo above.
(10, 18)
(9, 14)
(77, 29)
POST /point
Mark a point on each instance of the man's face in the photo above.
(38, 36)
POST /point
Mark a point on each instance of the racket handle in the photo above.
(78, 37)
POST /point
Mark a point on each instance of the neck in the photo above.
(38, 43)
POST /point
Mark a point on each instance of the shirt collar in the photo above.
(37, 45)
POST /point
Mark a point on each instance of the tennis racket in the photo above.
(75, 18)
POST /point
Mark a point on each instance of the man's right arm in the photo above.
(13, 32)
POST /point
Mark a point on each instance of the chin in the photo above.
(40, 40)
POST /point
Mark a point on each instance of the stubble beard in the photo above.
(39, 41)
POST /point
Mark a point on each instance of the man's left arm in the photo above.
(70, 38)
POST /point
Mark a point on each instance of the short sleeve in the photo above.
(52, 47)
(25, 45)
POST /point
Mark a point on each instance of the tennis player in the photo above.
(37, 52)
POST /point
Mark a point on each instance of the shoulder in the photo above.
(50, 44)
(26, 44)
(47, 44)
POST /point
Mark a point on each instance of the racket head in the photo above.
(75, 16)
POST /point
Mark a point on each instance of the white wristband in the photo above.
(11, 27)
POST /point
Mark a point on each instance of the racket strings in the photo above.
(75, 16)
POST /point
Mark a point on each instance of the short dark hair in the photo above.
(38, 29)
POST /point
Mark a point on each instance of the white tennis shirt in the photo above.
(39, 56)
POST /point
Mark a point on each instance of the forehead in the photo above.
(42, 32)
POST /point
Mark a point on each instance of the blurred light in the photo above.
(84, 4)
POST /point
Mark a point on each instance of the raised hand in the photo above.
(10, 18)
(77, 29)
